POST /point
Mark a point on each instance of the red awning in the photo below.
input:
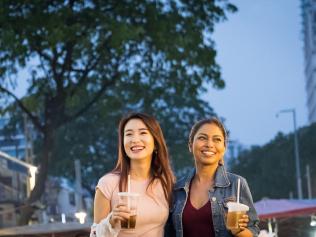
(285, 208)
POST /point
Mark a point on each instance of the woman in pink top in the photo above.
(142, 154)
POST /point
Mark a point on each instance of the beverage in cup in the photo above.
(130, 200)
(235, 212)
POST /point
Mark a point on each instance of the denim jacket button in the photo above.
(213, 199)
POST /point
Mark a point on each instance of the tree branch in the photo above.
(35, 120)
(67, 62)
(83, 77)
(93, 100)
(54, 64)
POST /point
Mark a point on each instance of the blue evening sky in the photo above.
(260, 51)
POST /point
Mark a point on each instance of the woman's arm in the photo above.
(101, 207)
(104, 225)
(246, 198)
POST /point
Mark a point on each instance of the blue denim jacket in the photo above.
(225, 190)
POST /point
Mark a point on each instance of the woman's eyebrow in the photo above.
(131, 130)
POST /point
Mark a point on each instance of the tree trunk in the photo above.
(28, 210)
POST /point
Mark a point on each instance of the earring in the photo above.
(221, 161)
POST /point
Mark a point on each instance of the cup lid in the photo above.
(235, 206)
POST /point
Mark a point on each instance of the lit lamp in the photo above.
(313, 220)
(81, 216)
(33, 171)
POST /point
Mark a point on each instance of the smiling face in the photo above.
(208, 145)
(138, 141)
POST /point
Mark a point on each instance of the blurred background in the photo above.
(69, 70)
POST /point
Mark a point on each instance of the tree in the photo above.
(79, 52)
(270, 169)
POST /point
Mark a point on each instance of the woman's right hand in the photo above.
(119, 213)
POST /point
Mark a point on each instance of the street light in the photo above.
(297, 157)
(81, 216)
(31, 168)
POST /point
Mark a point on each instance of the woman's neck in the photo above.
(205, 173)
(140, 170)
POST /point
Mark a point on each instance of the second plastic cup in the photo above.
(131, 201)
(235, 212)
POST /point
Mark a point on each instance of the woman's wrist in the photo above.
(236, 232)
(111, 222)
(242, 233)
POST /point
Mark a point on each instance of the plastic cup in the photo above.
(131, 201)
(235, 212)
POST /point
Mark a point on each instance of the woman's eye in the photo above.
(128, 134)
(202, 138)
(217, 139)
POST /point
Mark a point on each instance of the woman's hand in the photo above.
(119, 213)
(242, 225)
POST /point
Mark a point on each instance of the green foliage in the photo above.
(91, 61)
(270, 169)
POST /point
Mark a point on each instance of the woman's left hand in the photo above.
(242, 225)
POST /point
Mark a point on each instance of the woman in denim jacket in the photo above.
(200, 199)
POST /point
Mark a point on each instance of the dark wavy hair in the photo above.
(160, 164)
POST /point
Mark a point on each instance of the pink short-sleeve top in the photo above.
(153, 208)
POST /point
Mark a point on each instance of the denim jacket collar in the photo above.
(221, 179)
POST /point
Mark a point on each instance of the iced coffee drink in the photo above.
(130, 200)
(235, 212)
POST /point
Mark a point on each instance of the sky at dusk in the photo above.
(260, 51)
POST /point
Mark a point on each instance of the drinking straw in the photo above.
(128, 190)
(129, 183)
(238, 190)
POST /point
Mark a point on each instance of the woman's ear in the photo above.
(190, 146)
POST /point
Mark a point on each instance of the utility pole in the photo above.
(28, 140)
(78, 186)
(296, 153)
(309, 186)
(28, 150)
(80, 214)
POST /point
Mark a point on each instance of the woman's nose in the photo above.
(210, 143)
(135, 138)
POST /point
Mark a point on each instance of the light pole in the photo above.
(297, 156)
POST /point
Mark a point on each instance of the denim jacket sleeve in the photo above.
(169, 229)
(246, 198)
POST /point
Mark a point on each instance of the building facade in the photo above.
(17, 144)
(13, 191)
(58, 203)
(309, 32)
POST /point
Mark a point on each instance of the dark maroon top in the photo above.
(197, 222)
